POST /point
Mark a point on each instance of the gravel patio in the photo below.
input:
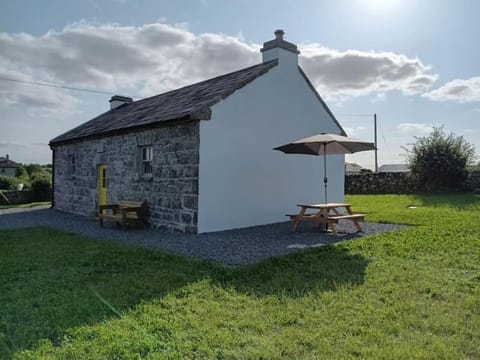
(231, 247)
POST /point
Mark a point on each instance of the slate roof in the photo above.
(352, 168)
(191, 102)
(6, 163)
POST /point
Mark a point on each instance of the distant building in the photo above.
(351, 169)
(394, 168)
(7, 166)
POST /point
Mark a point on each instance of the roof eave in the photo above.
(202, 115)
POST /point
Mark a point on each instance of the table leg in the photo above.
(297, 221)
(325, 215)
(334, 228)
(355, 221)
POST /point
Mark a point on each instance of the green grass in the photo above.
(407, 294)
(29, 205)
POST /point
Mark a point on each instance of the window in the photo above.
(2, 170)
(104, 178)
(146, 156)
(71, 165)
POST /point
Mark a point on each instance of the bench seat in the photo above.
(348, 217)
(334, 218)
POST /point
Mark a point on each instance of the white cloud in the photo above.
(345, 74)
(415, 128)
(460, 90)
(40, 100)
(380, 97)
(153, 58)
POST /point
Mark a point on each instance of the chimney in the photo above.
(7, 157)
(118, 100)
(284, 51)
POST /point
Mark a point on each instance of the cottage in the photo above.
(201, 156)
(7, 166)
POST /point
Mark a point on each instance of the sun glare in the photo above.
(381, 5)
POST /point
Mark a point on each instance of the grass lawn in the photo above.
(408, 294)
(29, 205)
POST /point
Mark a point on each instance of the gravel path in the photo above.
(231, 247)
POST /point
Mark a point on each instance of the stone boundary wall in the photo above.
(397, 183)
(380, 183)
(15, 197)
(473, 182)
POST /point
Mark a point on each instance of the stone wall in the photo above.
(398, 183)
(473, 182)
(380, 183)
(171, 193)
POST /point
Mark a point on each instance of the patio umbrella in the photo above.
(326, 144)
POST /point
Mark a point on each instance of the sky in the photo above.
(416, 64)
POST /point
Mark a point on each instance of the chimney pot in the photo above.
(279, 34)
(280, 49)
(7, 157)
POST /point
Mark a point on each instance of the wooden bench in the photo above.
(124, 213)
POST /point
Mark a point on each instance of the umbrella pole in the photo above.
(325, 180)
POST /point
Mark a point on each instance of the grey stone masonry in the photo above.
(171, 191)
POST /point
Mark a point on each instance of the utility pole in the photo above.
(376, 149)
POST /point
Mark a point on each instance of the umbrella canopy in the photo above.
(326, 144)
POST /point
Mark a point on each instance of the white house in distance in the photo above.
(7, 166)
(352, 169)
(394, 168)
(201, 156)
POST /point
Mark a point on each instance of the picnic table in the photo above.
(327, 214)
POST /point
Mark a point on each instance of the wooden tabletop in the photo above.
(324, 206)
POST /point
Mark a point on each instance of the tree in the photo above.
(21, 173)
(33, 169)
(440, 161)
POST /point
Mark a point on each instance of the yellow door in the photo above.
(102, 184)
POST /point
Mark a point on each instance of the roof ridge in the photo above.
(206, 80)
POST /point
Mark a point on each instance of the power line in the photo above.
(60, 86)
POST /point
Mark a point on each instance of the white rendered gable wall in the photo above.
(242, 181)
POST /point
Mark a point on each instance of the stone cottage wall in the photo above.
(171, 193)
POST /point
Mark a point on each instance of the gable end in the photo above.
(342, 131)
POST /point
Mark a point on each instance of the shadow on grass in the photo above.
(295, 275)
(51, 281)
(460, 201)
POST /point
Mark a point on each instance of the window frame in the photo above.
(72, 167)
(146, 160)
